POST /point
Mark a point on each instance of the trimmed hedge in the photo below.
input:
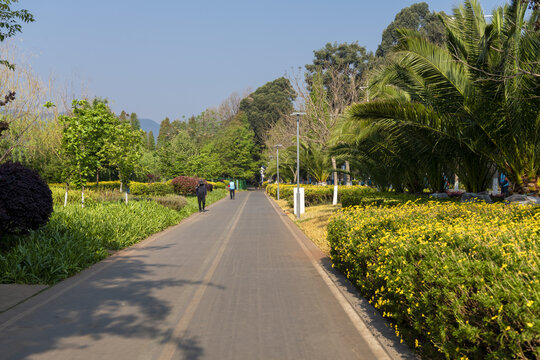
(217, 184)
(173, 202)
(151, 189)
(454, 280)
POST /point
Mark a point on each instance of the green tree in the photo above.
(175, 156)
(124, 151)
(207, 164)
(266, 105)
(151, 141)
(237, 149)
(341, 67)
(134, 121)
(415, 17)
(83, 138)
(166, 133)
(10, 23)
(476, 100)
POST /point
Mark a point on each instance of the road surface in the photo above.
(235, 282)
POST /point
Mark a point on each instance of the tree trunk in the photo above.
(97, 177)
(82, 196)
(527, 184)
(348, 175)
(334, 166)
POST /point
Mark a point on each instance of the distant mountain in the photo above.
(150, 125)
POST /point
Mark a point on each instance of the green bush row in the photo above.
(318, 194)
(152, 189)
(454, 280)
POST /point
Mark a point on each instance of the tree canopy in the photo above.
(266, 105)
(415, 17)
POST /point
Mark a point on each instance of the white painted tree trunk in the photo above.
(456, 183)
(66, 196)
(82, 197)
(126, 197)
(334, 198)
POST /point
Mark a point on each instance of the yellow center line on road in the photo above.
(171, 345)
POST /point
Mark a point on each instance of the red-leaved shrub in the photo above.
(185, 185)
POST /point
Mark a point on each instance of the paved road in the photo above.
(235, 282)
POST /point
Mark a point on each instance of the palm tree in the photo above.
(475, 102)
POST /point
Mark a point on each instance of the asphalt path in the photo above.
(236, 282)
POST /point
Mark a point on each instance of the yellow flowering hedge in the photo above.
(454, 280)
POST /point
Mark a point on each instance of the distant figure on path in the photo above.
(505, 184)
(201, 195)
(231, 189)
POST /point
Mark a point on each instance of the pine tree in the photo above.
(151, 142)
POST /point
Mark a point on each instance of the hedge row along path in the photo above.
(239, 281)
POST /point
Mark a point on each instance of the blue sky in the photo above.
(176, 58)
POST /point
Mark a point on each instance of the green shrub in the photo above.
(454, 280)
(174, 202)
(218, 184)
(138, 188)
(150, 189)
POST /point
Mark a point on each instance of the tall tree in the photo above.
(134, 121)
(10, 23)
(84, 137)
(341, 66)
(237, 149)
(480, 93)
(166, 132)
(151, 141)
(415, 17)
(266, 105)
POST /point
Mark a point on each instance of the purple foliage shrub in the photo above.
(25, 199)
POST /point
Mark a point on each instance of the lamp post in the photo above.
(298, 161)
(277, 162)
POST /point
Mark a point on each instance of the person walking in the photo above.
(201, 195)
(231, 189)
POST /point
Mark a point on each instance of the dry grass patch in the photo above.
(313, 222)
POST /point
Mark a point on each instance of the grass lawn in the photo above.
(313, 222)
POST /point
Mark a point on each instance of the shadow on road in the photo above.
(124, 302)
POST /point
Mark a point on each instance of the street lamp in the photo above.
(298, 161)
(277, 161)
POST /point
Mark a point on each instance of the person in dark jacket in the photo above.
(201, 195)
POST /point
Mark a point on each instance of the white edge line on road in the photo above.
(376, 347)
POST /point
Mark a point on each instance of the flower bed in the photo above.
(454, 280)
